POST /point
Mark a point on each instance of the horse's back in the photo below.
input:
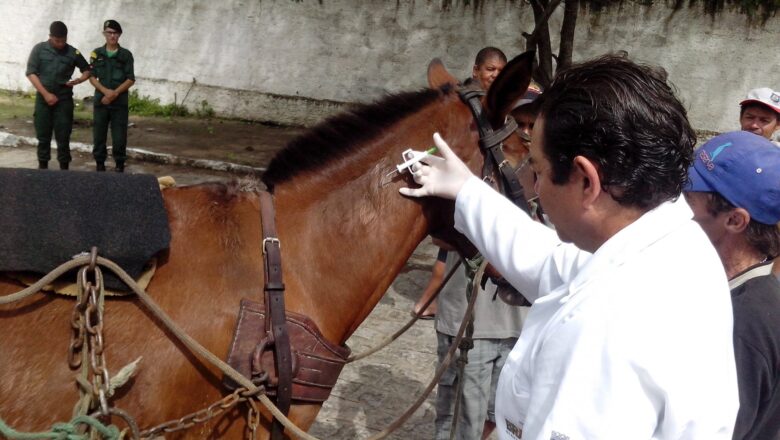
(213, 262)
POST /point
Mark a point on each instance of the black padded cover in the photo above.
(47, 217)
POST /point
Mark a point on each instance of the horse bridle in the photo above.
(491, 143)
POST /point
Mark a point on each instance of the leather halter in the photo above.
(491, 143)
(276, 324)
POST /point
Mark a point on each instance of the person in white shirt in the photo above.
(630, 331)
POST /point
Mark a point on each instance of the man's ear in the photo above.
(737, 220)
(587, 174)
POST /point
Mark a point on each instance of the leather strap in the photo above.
(274, 302)
(491, 143)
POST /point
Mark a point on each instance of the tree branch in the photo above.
(566, 47)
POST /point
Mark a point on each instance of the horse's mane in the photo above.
(343, 134)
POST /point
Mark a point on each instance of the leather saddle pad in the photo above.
(47, 217)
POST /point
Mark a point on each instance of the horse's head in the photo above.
(338, 170)
(491, 147)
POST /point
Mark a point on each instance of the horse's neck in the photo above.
(350, 236)
(346, 248)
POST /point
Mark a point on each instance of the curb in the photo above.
(14, 141)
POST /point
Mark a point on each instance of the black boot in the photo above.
(43, 164)
(101, 166)
(64, 165)
(120, 167)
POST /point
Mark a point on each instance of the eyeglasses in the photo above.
(111, 33)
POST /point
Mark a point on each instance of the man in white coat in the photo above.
(630, 332)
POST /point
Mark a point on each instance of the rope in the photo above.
(468, 342)
(63, 431)
(442, 368)
(48, 279)
(229, 371)
(394, 336)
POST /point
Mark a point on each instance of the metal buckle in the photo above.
(271, 240)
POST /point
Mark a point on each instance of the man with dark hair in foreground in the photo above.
(735, 196)
(630, 331)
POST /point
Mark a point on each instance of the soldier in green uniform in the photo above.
(112, 76)
(49, 69)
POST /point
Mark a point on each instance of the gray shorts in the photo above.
(481, 373)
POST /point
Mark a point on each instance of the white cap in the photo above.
(764, 95)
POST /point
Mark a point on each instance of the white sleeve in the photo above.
(528, 254)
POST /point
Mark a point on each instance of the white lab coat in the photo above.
(631, 342)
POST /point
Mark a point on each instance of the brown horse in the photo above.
(344, 239)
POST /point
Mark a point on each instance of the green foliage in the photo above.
(762, 10)
(204, 110)
(146, 106)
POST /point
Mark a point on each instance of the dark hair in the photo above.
(487, 53)
(58, 29)
(744, 107)
(624, 117)
(761, 236)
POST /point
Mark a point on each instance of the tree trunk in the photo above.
(540, 38)
(567, 34)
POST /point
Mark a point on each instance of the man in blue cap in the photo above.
(735, 196)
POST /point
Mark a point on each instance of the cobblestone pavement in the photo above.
(371, 393)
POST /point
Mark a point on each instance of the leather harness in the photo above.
(276, 324)
(491, 143)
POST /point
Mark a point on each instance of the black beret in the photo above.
(113, 24)
(58, 29)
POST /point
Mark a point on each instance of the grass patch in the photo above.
(146, 106)
(204, 110)
(17, 104)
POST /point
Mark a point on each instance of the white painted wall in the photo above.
(296, 61)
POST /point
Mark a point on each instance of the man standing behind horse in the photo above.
(49, 67)
(630, 332)
(113, 75)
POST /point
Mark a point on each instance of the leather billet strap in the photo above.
(274, 304)
(491, 141)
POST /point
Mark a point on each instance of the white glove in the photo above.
(442, 178)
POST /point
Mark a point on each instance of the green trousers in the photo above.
(116, 117)
(57, 118)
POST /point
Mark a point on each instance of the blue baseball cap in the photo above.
(742, 167)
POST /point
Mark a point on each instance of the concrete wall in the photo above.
(295, 61)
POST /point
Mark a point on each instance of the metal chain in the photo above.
(94, 325)
(252, 418)
(77, 325)
(202, 416)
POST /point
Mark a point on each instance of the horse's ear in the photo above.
(438, 76)
(509, 86)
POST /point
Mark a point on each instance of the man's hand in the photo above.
(50, 99)
(442, 178)
(109, 96)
